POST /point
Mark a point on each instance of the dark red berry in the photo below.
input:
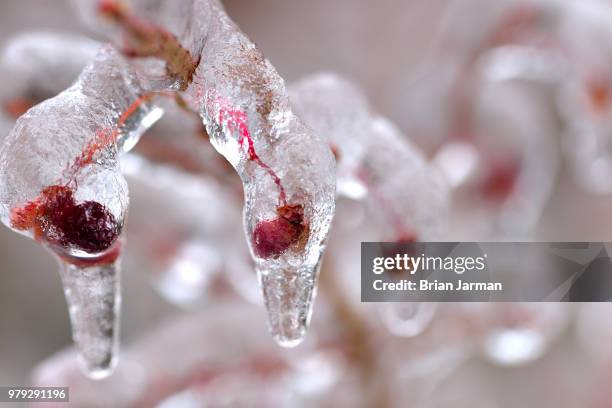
(273, 237)
(88, 226)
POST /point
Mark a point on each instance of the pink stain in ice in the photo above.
(105, 137)
(235, 120)
(271, 237)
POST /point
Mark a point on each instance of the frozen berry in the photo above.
(88, 226)
(273, 237)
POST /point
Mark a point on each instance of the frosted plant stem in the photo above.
(94, 299)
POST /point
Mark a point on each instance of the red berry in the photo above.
(88, 226)
(273, 237)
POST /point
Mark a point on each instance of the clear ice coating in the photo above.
(60, 184)
(407, 196)
(413, 194)
(35, 66)
(288, 173)
(413, 197)
(94, 300)
(286, 169)
(339, 111)
(389, 172)
(40, 64)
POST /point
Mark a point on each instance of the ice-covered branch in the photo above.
(60, 184)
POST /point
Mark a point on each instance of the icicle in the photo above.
(287, 172)
(93, 296)
(60, 184)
